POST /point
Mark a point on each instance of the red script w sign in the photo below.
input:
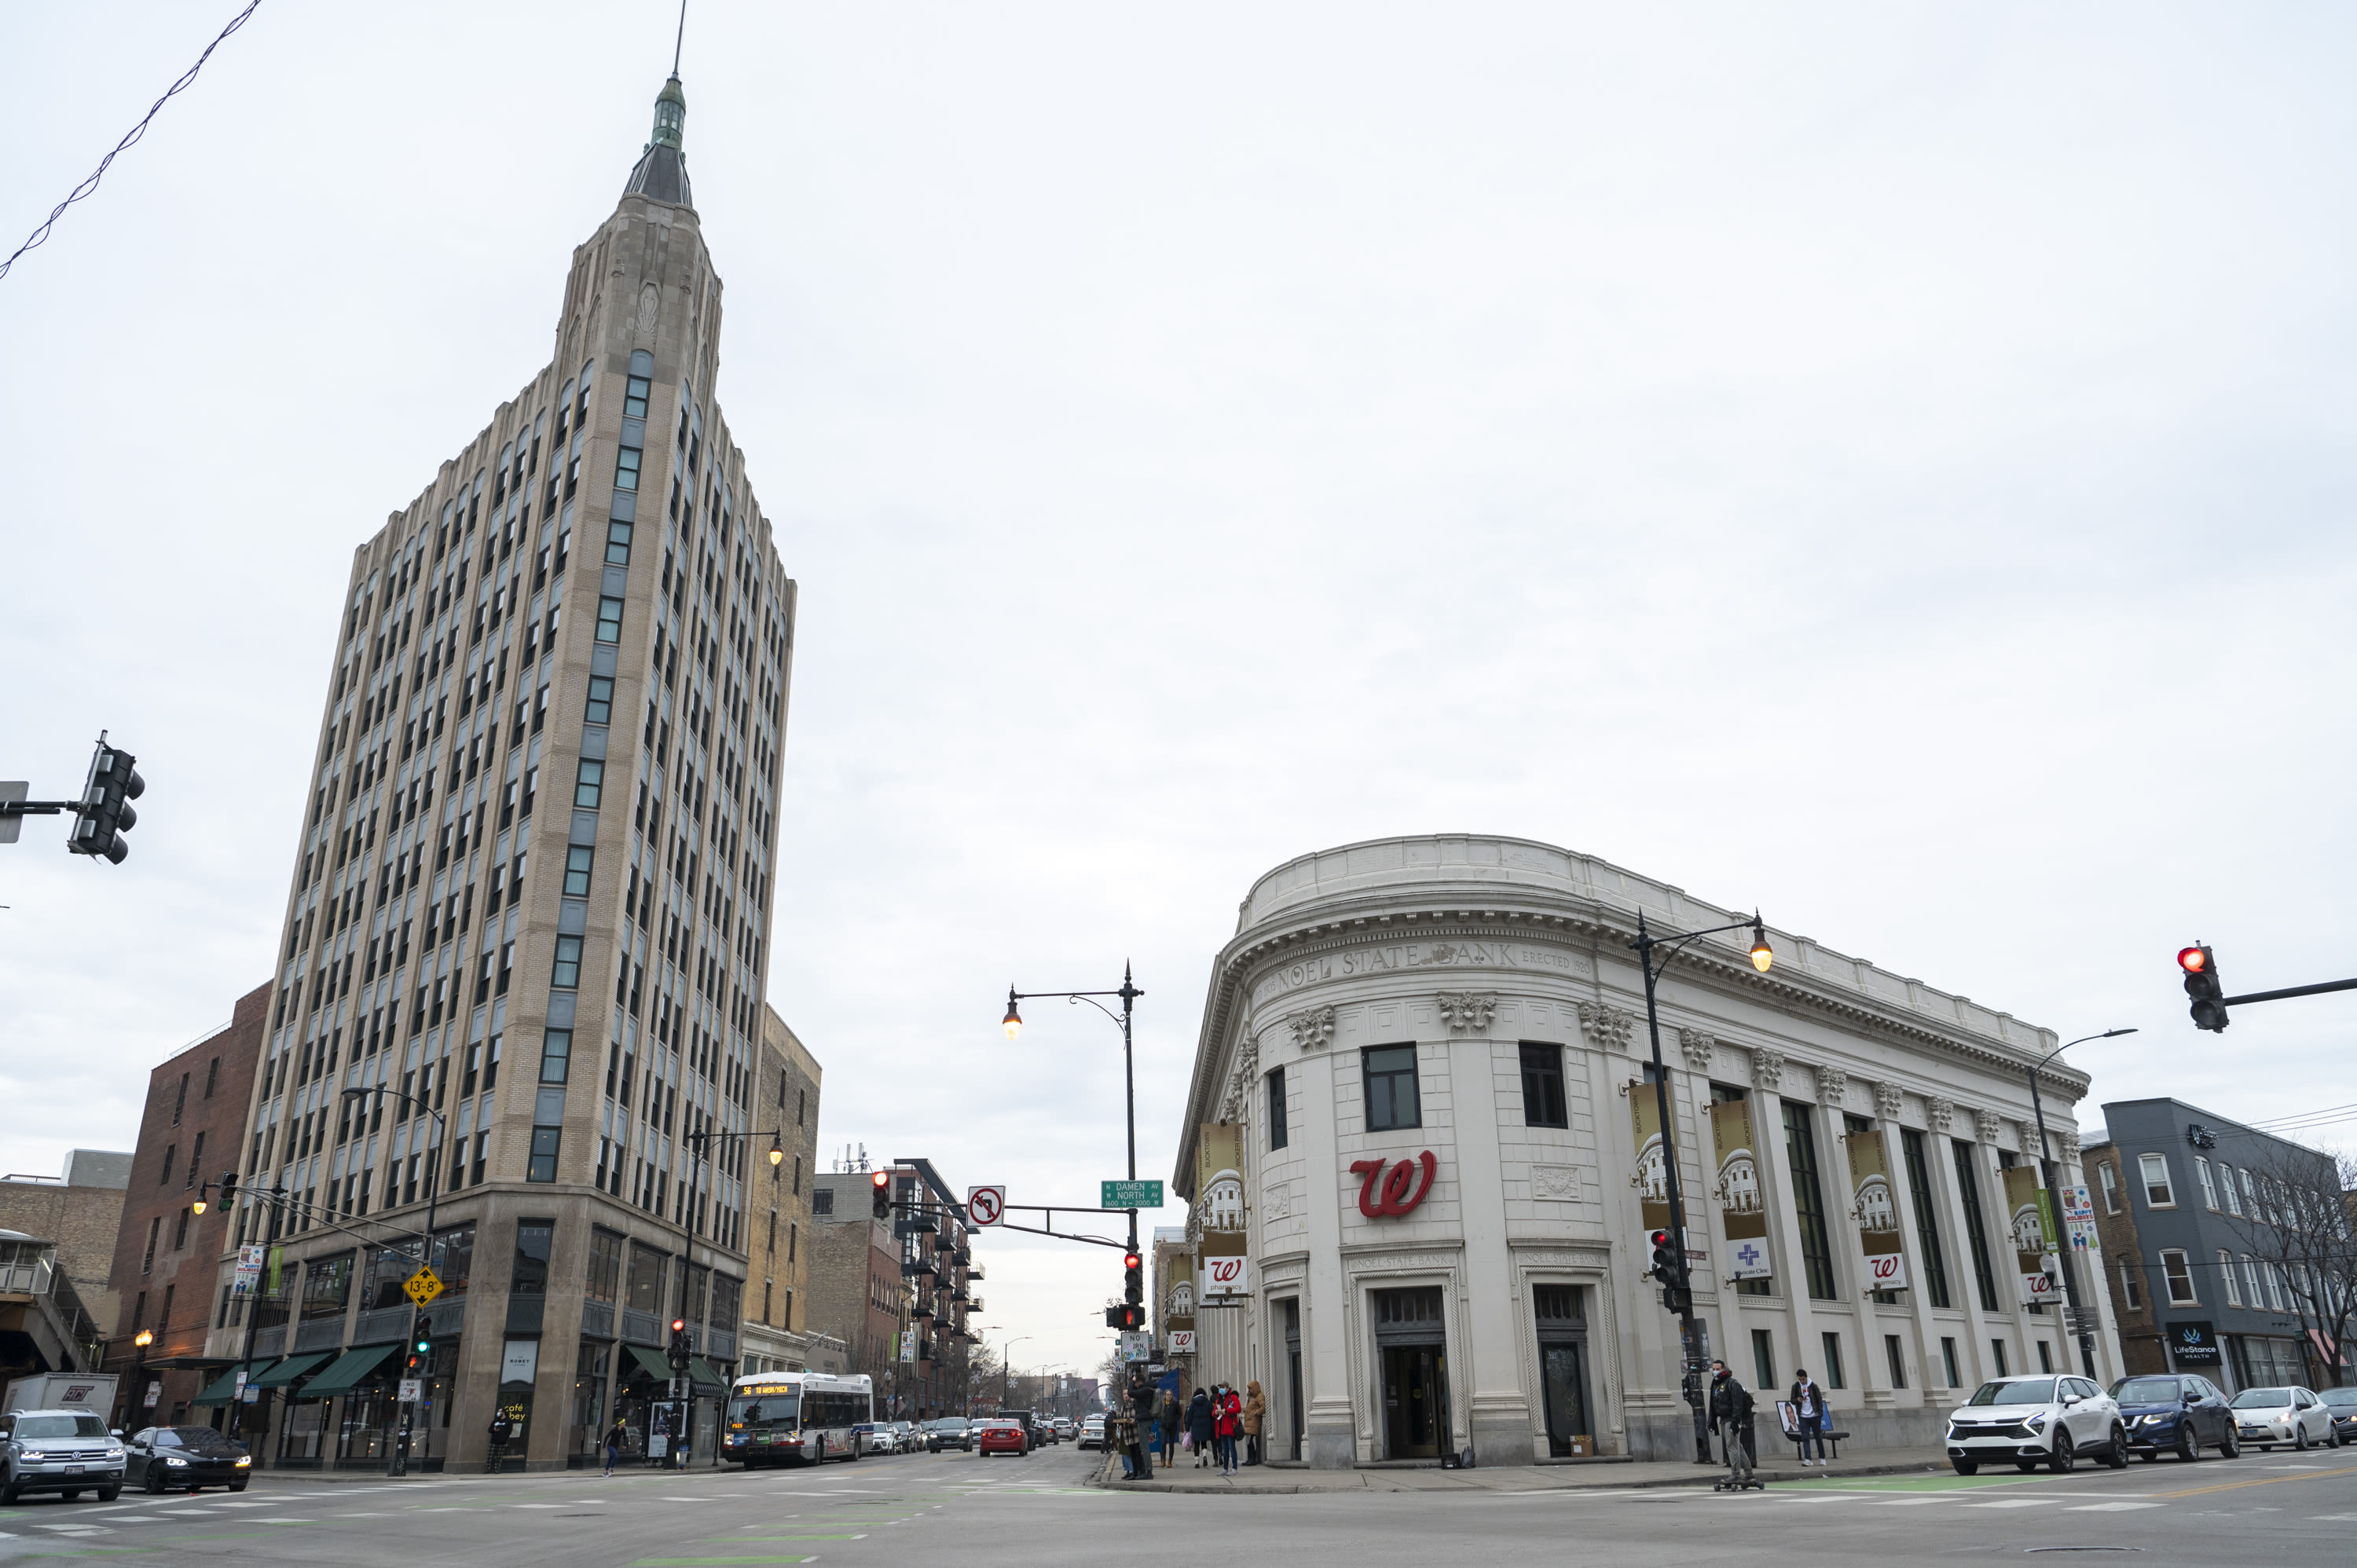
(1399, 1193)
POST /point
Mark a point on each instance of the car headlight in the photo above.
(243, 1460)
(2035, 1421)
(114, 1453)
(174, 1459)
(37, 1456)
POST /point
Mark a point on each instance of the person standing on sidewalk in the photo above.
(1809, 1414)
(617, 1435)
(1165, 1414)
(1200, 1425)
(1141, 1416)
(1256, 1411)
(1730, 1411)
(501, 1430)
(1229, 1417)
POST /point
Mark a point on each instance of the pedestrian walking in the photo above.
(1814, 1421)
(1256, 1411)
(1141, 1417)
(616, 1436)
(1166, 1423)
(1730, 1412)
(1201, 1422)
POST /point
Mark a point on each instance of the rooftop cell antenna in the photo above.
(678, 42)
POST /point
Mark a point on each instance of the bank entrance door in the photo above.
(1561, 1312)
(1411, 1342)
(1292, 1370)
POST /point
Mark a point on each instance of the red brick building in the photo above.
(168, 1256)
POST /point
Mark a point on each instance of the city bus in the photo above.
(795, 1418)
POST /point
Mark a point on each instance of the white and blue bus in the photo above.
(795, 1418)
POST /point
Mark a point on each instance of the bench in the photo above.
(1833, 1442)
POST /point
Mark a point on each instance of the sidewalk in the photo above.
(1603, 1475)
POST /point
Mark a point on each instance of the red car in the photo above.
(995, 1435)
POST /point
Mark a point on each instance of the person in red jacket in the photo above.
(1228, 1412)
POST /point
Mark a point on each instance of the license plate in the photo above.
(73, 1469)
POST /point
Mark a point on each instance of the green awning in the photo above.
(286, 1371)
(652, 1362)
(348, 1369)
(700, 1371)
(223, 1388)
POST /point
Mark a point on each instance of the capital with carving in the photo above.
(1696, 1044)
(1887, 1099)
(1767, 1068)
(1832, 1086)
(1940, 1111)
(1988, 1122)
(1608, 1027)
(1313, 1028)
(1468, 1012)
(2069, 1142)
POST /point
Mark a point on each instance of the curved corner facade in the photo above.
(1416, 1154)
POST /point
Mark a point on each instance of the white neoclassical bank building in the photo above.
(1419, 1112)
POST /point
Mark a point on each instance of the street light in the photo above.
(141, 1340)
(398, 1463)
(1681, 1287)
(2046, 1176)
(1129, 993)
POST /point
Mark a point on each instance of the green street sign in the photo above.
(1130, 1195)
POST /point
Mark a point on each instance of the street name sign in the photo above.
(422, 1286)
(1130, 1195)
(985, 1205)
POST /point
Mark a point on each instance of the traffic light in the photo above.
(1665, 1259)
(1133, 1279)
(2201, 984)
(879, 1200)
(421, 1351)
(228, 1185)
(1127, 1316)
(683, 1344)
(106, 814)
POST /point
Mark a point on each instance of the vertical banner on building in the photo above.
(2030, 1221)
(1653, 1177)
(248, 1270)
(273, 1281)
(908, 1344)
(1219, 1212)
(1876, 1209)
(1742, 1205)
(2079, 1219)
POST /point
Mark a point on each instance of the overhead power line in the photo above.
(86, 186)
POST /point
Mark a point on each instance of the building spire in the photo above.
(662, 169)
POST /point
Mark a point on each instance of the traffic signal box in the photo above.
(683, 1343)
(421, 1353)
(2201, 985)
(1133, 1278)
(106, 813)
(879, 1200)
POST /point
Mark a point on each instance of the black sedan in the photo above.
(2342, 1404)
(184, 1458)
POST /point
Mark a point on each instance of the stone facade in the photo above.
(1486, 1251)
(786, 1103)
(532, 893)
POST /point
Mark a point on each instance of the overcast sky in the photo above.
(1886, 465)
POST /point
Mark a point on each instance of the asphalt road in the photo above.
(2282, 1509)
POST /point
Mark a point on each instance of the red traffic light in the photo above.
(1661, 1239)
(1130, 1261)
(678, 1325)
(881, 1177)
(2193, 960)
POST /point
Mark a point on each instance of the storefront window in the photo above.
(327, 1286)
(588, 1397)
(530, 1273)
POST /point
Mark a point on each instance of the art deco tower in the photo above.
(533, 892)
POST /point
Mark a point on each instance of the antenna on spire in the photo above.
(681, 40)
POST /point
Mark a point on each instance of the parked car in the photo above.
(170, 1458)
(1093, 1431)
(2292, 1417)
(906, 1438)
(67, 1451)
(2180, 1415)
(2048, 1421)
(1002, 1434)
(949, 1432)
(876, 1437)
(2342, 1405)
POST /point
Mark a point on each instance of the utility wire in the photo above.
(86, 186)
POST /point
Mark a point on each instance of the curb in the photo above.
(1365, 1482)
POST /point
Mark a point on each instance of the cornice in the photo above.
(1479, 909)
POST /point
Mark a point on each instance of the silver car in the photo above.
(67, 1451)
(2293, 1417)
(2030, 1422)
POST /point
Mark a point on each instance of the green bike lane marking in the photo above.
(710, 1562)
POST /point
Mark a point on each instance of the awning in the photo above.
(348, 1369)
(700, 1371)
(286, 1371)
(223, 1388)
(653, 1364)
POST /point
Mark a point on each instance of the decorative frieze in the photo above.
(1555, 1184)
(1468, 1012)
(1608, 1027)
(1313, 1028)
(1767, 1068)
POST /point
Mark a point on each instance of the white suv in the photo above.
(67, 1451)
(2048, 1421)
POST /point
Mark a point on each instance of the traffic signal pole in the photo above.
(1680, 1289)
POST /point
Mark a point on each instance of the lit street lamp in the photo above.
(1129, 993)
(2046, 1175)
(1680, 1291)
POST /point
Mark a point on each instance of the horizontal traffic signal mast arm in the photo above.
(2290, 990)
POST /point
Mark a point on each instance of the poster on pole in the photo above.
(1652, 1179)
(1742, 1207)
(2029, 1222)
(1876, 1209)
(249, 1271)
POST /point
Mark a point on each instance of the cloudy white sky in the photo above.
(1891, 465)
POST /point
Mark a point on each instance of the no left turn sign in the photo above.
(985, 1205)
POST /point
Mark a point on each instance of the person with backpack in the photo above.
(1200, 1425)
(1809, 1414)
(1166, 1416)
(1730, 1411)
